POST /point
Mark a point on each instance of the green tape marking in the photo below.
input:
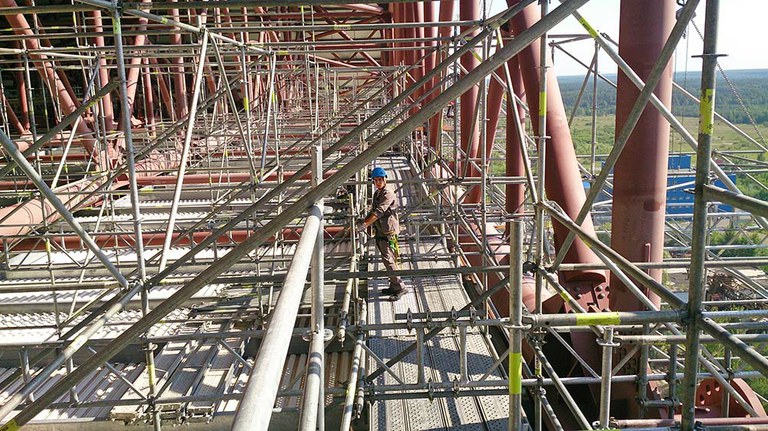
(245, 104)
(10, 426)
(592, 319)
(707, 112)
(565, 295)
(542, 103)
(592, 32)
(515, 373)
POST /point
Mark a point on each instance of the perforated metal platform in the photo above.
(441, 356)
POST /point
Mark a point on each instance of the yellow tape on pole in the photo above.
(10, 426)
(542, 103)
(592, 32)
(515, 373)
(592, 319)
(151, 374)
(707, 112)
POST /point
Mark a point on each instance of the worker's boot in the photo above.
(399, 294)
(394, 287)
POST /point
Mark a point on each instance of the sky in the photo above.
(743, 36)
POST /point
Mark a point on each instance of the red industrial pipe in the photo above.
(234, 177)
(106, 106)
(19, 219)
(430, 32)
(179, 83)
(364, 8)
(13, 119)
(563, 180)
(436, 122)
(47, 71)
(515, 166)
(22, 86)
(493, 108)
(469, 10)
(640, 175)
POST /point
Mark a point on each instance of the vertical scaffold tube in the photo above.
(697, 283)
(515, 319)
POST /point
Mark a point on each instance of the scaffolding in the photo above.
(174, 172)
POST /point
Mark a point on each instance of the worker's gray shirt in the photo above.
(384, 206)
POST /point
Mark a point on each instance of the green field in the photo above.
(724, 139)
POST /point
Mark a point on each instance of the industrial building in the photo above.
(181, 184)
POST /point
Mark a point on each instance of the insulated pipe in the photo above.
(563, 184)
(255, 409)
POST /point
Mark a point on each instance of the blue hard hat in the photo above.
(378, 172)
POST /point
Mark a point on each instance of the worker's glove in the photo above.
(360, 227)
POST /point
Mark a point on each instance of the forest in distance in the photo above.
(749, 98)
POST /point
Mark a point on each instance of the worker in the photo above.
(383, 217)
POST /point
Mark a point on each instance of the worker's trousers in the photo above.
(390, 254)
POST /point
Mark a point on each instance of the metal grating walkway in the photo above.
(441, 354)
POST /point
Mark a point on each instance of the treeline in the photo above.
(751, 86)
